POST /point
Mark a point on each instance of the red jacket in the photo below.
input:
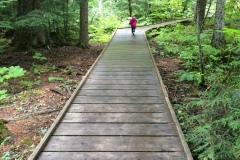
(133, 22)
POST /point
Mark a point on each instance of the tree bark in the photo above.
(83, 34)
(100, 8)
(23, 36)
(130, 7)
(218, 39)
(200, 12)
(200, 52)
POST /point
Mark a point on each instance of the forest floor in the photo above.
(35, 100)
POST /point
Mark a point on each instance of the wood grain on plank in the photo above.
(113, 143)
(100, 129)
(118, 117)
(129, 100)
(112, 156)
(120, 93)
(127, 108)
(122, 81)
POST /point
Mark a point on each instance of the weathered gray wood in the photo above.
(147, 77)
(113, 143)
(129, 100)
(76, 129)
(125, 69)
(112, 156)
(116, 108)
(122, 81)
(118, 117)
(120, 93)
(124, 66)
(120, 87)
(145, 73)
(125, 62)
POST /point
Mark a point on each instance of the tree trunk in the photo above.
(100, 8)
(26, 36)
(83, 34)
(66, 17)
(200, 12)
(23, 36)
(218, 39)
(130, 7)
(200, 52)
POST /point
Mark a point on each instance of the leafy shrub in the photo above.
(51, 79)
(39, 56)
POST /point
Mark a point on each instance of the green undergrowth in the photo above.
(210, 118)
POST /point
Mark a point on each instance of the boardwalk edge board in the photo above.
(178, 127)
(50, 131)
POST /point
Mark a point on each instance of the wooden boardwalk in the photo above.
(120, 110)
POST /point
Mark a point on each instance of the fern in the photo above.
(7, 73)
(194, 77)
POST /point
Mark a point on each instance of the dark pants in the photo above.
(133, 29)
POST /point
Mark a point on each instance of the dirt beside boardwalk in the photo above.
(35, 100)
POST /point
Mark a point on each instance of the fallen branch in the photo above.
(55, 91)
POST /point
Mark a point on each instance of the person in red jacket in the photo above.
(133, 23)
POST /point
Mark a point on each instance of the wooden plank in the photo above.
(112, 156)
(130, 65)
(119, 108)
(113, 143)
(121, 69)
(120, 93)
(145, 73)
(117, 117)
(124, 61)
(129, 100)
(75, 129)
(122, 81)
(110, 62)
(126, 56)
(147, 77)
(120, 87)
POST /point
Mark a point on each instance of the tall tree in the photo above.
(218, 39)
(200, 13)
(23, 35)
(100, 8)
(130, 7)
(199, 22)
(83, 33)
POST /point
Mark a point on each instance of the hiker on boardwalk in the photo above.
(133, 23)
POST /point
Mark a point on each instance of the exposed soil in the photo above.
(31, 107)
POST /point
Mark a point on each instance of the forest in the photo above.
(46, 46)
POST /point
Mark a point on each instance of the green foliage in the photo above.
(51, 79)
(7, 73)
(4, 3)
(190, 77)
(6, 156)
(210, 119)
(36, 18)
(11, 72)
(216, 128)
(39, 56)
(4, 133)
(6, 25)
